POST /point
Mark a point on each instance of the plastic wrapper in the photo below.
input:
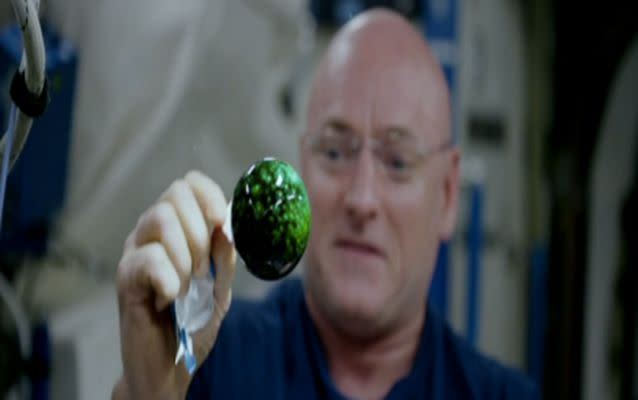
(192, 311)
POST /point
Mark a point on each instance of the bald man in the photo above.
(382, 176)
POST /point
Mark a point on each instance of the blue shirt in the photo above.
(271, 350)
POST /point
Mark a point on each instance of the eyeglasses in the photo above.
(337, 150)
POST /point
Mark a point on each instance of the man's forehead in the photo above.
(379, 78)
(340, 129)
(375, 101)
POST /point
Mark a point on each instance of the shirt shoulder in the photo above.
(482, 376)
(256, 320)
(251, 347)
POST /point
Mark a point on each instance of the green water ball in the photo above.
(270, 218)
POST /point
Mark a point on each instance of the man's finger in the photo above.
(210, 198)
(180, 195)
(161, 224)
(148, 272)
(212, 202)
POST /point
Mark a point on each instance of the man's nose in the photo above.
(362, 199)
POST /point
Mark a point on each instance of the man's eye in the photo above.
(396, 162)
(398, 165)
(332, 153)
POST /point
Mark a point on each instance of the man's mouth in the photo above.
(359, 247)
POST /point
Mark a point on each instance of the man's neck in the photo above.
(368, 368)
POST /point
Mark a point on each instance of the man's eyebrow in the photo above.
(337, 124)
(395, 133)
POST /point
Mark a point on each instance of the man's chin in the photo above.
(351, 299)
(358, 310)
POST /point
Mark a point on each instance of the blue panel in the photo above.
(438, 296)
(40, 361)
(537, 314)
(36, 184)
(346, 9)
(337, 12)
(474, 253)
(439, 19)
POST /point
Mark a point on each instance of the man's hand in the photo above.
(173, 240)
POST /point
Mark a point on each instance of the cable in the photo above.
(9, 297)
(33, 64)
(5, 159)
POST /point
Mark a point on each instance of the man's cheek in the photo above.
(415, 235)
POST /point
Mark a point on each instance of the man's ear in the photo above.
(451, 182)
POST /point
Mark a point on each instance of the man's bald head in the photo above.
(378, 215)
(380, 54)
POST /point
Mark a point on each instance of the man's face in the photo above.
(382, 189)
